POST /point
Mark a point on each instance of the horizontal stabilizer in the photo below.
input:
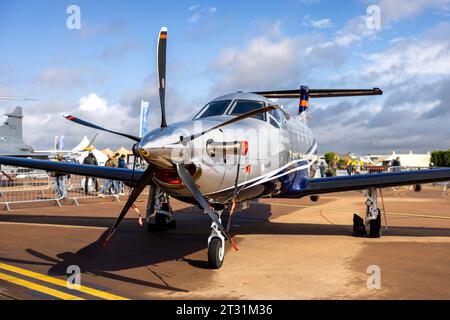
(320, 93)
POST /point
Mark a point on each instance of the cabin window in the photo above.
(215, 108)
(244, 106)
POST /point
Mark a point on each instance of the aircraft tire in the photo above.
(375, 226)
(215, 253)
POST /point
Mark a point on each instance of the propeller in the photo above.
(94, 126)
(246, 115)
(161, 68)
(189, 182)
(137, 190)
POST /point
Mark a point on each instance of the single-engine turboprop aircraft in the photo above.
(239, 147)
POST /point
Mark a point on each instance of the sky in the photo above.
(102, 70)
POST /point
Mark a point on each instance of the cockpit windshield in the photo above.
(244, 106)
(215, 108)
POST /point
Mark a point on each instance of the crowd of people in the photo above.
(110, 187)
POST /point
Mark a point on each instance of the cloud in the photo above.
(317, 23)
(426, 56)
(396, 10)
(93, 103)
(92, 107)
(196, 12)
(271, 60)
(194, 7)
(413, 114)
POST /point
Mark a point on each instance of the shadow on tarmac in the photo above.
(131, 248)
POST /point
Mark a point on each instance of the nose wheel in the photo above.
(216, 253)
(216, 247)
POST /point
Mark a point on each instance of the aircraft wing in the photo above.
(120, 174)
(304, 187)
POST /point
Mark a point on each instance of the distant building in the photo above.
(407, 160)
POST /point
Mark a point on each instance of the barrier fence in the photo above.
(20, 186)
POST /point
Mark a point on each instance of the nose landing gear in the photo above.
(159, 203)
(216, 247)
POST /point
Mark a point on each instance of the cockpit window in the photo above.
(244, 106)
(215, 108)
(276, 118)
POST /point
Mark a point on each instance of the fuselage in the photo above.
(255, 157)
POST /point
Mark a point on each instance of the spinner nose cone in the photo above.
(161, 148)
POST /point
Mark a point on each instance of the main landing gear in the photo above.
(159, 203)
(373, 217)
(373, 214)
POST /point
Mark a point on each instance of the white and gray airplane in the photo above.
(239, 147)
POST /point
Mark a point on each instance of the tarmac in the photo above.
(288, 249)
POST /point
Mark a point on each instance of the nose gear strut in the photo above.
(159, 205)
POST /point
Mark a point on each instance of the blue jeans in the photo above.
(60, 186)
(106, 186)
(115, 186)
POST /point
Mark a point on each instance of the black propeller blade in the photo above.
(142, 183)
(161, 56)
(94, 126)
(249, 114)
(190, 184)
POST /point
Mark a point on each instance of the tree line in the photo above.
(440, 158)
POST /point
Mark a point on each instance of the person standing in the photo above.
(322, 169)
(349, 167)
(357, 167)
(123, 165)
(396, 165)
(60, 181)
(92, 161)
(112, 163)
(116, 184)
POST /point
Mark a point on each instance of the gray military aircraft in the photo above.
(239, 147)
(11, 136)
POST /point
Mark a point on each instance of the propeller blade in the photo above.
(161, 70)
(94, 126)
(92, 141)
(190, 184)
(140, 186)
(249, 114)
